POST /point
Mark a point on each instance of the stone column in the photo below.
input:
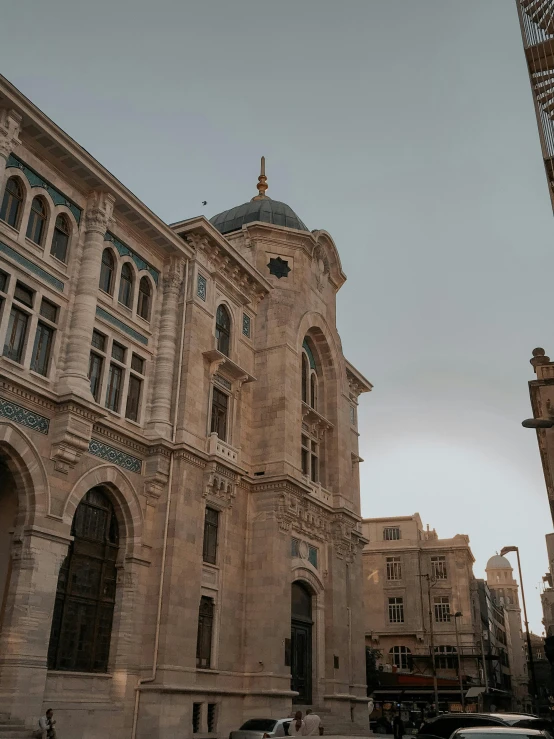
(27, 622)
(168, 341)
(97, 216)
(10, 126)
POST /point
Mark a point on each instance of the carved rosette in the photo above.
(99, 211)
(10, 126)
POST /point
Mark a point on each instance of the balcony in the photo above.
(219, 448)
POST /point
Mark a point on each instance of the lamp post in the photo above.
(430, 583)
(504, 551)
(458, 615)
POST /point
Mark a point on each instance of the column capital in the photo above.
(10, 126)
(99, 211)
(174, 274)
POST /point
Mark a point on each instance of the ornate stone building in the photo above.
(180, 532)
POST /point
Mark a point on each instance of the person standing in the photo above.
(398, 727)
(297, 726)
(46, 726)
(312, 723)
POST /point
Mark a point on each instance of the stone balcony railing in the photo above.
(221, 449)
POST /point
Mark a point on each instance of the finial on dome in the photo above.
(262, 183)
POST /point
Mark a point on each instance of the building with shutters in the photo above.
(180, 531)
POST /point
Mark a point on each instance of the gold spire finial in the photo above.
(262, 183)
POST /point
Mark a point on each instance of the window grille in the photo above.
(391, 533)
(394, 568)
(396, 610)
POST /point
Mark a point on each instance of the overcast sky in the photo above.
(406, 129)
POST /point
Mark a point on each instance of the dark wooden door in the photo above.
(301, 661)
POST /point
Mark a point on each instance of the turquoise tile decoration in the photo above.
(126, 251)
(201, 287)
(23, 416)
(101, 313)
(115, 456)
(246, 323)
(35, 180)
(31, 267)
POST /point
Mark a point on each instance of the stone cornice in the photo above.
(357, 383)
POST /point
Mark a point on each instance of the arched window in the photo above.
(37, 221)
(106, 271)
(223, 329)
(305, 376)
(126, 285)
(309, 376)
(12, 202)
(313, 390)
(60, 240)
(144, 298)
(401, 657)
(85, 597)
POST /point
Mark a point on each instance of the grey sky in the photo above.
(406, 129)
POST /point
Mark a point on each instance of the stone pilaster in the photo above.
(10, 126)
(97, 217)
(168, 340)
(25, 635)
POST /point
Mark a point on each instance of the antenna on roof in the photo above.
(262, 183)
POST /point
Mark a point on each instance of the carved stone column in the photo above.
(97, 217)
(10, 126)
(168, 341)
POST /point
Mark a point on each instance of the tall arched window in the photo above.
(12, 202)
(126, 285)
(401, 657)
(85, 597)
(223, 329)
(305, 377)
(309, 376)
(60, 240)
(144, 298)
(37, 221)
(107, 271)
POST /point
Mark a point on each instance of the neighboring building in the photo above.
(415, 581)
(505, 592)
(180, 531)
(543, 675)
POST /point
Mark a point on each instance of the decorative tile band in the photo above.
(201, 287)
(246, 323)
(115, 456)
(101, 313)
(35, 180)
(32, 267)
(126, 251)
(24, 416)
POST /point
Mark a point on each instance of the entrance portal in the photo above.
(8, 514)
(301, 643)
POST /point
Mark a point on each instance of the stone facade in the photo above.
(147, 405)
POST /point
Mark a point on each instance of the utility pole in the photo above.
(458, 615)
(430, 584)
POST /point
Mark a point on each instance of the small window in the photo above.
(118, 352)
(223, 330)
(305, 455)
(442, 609)
(12, 202)
(211, 525)
(438, 567)
(60, 239)
(115, 383)
(144, 298)
(95, 366)
(196, 716)
(126, 285)
(205, 633)
(391, 533)
(220, 403)
(43, 346)
(305, 376)
(212, 718)
(446, 657)
(401, 657)
(394, 568)
(314, 462)
(313, 391)
(3, 282)
(134, 392)
(107, 271)
(137, 364)
(396, 610)
(15, 335)
(98, 340)
(24, 294)
(49, 310)
(37, 221)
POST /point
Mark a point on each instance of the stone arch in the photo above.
(325, 245)
(309, 578)
(326, 342)
(124, 496)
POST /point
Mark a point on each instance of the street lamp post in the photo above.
(430, 584)
(458, 615)
(504, 551)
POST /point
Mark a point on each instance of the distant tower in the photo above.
(505, 591)
(537, 29)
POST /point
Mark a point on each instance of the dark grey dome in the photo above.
(264, 209)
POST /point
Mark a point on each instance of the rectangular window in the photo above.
(133, 398)
(211, 525)
(49, 310)
(305, 455)
(442, 609)
(137, 364)
(205, 633)
(314, 463)
(394, 568)
(220, 403)
(98, 340)
(15, 336)
(391, 533)
(352, 415)
(212, 718)
(3, 281)
(24, 294)
(42, 348)
(95, 366)
(396, 610)
(118, 352)
(113, 393)
(196, 715)
(438, 568)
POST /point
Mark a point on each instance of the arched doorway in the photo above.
(8, 515)
(301, 643)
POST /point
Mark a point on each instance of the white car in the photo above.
(262, 728)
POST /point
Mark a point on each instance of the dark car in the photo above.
(446, 724)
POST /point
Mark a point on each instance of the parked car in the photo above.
(262, 728)
(501, 732)
(446, 724)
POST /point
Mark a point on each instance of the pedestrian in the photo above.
(312, 724)
(46, 725)
(398, 727)
(296, 727)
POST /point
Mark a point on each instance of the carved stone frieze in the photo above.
(10, 126)
(297, 513)
(98, 214)
(220, 484)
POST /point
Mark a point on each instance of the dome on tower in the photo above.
(260, 208)
(498, 563)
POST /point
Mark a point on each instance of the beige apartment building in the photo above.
(180, 530)
(415, 583)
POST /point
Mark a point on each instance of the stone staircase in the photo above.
(334, 725)
(12, 729)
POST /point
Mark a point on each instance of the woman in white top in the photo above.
(296, 727)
